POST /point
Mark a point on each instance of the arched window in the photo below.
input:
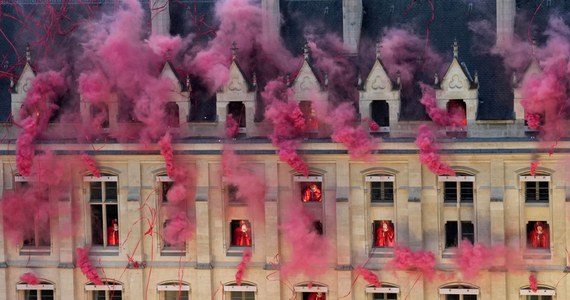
(245, 291)
(459, 292)
(42, 291)
(381, 188)
(385, 292)
(541, 293)
(536, 188)
(314, 291)
(109, 290)
(172, 114)
(164, 184)
(174, 290)
(102, 197)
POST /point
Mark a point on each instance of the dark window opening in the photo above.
(457, 111)
(126, 111)
(202, 103)
(57, 110)
(172, 114)
(380, 112)
(310, 115)
(458, 192)
(382, 192)
(233, 192)
(538, 234)
(317, 227)
(104, 213)
(384, 296)
(38, 294)
(241, 233)
(461, 297)
(384, 234)
(314, 296)
(237, 111)
(242, 296)
(536, 191)
(311, 192)
(165, 187)
(176, 295)
(107, 295)
(100, 115)
(454, 233)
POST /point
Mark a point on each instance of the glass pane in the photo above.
(469, 297)
(533, 297)
(111, 191)
(31, 295)
(468, 231)
(249, 296)
(95, 192)
(452, 297)
(543, 191)
(166, 185)
(46, 295)
(450, 192)
(112, 224)
(381, 191)
(115, 295)
(99, 295)
(466, 192)
(391, 296)
(96, 224)
(176, 295)
(451, 234)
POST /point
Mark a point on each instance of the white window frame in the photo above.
(308, 178)
(110, 287)
(23, 287)
(380, 178)
(457, 180)
(382, 290)
(539, 292)
(178, 287)
(313, 289)
(106, 178)
(537, 178)
(164, 250)
(240, 288)
(452, 290)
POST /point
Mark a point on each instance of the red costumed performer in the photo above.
(385, 235)
(113, 233)
(242, 235)
(312, 193)
(317, 296)
(539, 237)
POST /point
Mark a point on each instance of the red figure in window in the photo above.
(242, 236)
(317, 296)
(539, 237)
(385, 235)
(113, 233)
(312, 193)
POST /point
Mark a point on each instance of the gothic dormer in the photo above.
(532, 70)
(309, 86)
(236, 99)
(458, 88)
(379, 97)
(177, 108)
(23, 84)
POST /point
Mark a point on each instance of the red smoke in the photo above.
(533, 282)
(179, 228)
(30, 278)
(166, 151)
(86, 267)
(368, 276)
(232, 126)
(471, 259)
(90, 164)
(407, 260)
(440, 116)
(428, 152)
(242, 265)
(534, 167)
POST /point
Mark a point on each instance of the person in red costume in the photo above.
(539, 237)
(242, 235)
(385, 234)
(113, 233)
(317, 296)
(312, 193)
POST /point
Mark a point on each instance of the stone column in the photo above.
(160, 17)
(506, 10)
(351, 24)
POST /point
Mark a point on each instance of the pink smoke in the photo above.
(440, 116)
(25, 149)
(30, 278)
(165, 47)
(368, 276)
(232, 126)
(242, 265)
(533, 282)
(306, 245)
(288, 123)
(178, 228)
(407, 260)
(86, 266)
(534, 167)
(428, 152)
(165, 144)
(372, 126)
(91, 164)
(471, 259)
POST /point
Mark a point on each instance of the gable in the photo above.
(237, 82)
(378, 79)
(168, 72)
(26, 78)
(455, 79)
(306, 79)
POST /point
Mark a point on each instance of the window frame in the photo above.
(375, 111)
(232, 229)
(229, 289)
(300, 290)
(526, 179)
(108, 287)
(165, 250)
(385, 289)
(22, 288)
(382, 178)
(38, 248)
(178, 287)
(459, 181)
(300, 181)
(87, 180)
(460, 234)
(542, 292)
(458, 289)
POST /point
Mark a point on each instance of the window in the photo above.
(459, 292)
(380, 113)
(100, 114)
(536, 189)
(311, 121)
(107, 291)
(538, 235)
(240, 292)
(232, 193)
(126, 110)
(542, 293)
(457, 111)
(314, 296)
(384, 235)
(174, 291)
(237, 111)
(37, 238)
(42, 291)
(456, 231)
(172, 114)
(165, 183)
(104, 211)
(318, 227)
(381, 188)
(457, 189)
(314, 292)
(241, 233)
(386, 292)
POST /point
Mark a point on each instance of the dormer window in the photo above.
(310, 115)
(237, 111)
(100, 114)
(172, 114)
(380, 113)
(457, 111)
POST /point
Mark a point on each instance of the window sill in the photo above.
(104, 251)
(449, 252)
(382, 252)
(237, 251)
(453, 204)
(237, 203)
(172, 251)
(537, 254)
(537, 204)
(35, 251)
(382, 203)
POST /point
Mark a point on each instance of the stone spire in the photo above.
(234, 50)
(455, 49)
(160, 17)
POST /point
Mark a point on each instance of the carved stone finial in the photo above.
(326, 79)
(398, 78)
(188, 86)
(28, 53)
(359, 82)
(455, 48)
(533, 46)
(515, 79)
(476, 78)
(306, 50)
(378, 47)
(254, 80)
(234, 50)
(435, 79)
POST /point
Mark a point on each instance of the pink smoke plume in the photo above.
(178, 228)
(30, 278)
(35, 114)
(533, 121)
(165, 144)
(232, 126)
(91, 164)
(534, 167)
(400, 52)
(86, 266)
(372, 125)
(288, 123)
(428, 152)
(309, 249)
(471, 259)
(368, 276)
(242, 265)
(454, 117)
(165, 47)
(533, 282)
(407, 260)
